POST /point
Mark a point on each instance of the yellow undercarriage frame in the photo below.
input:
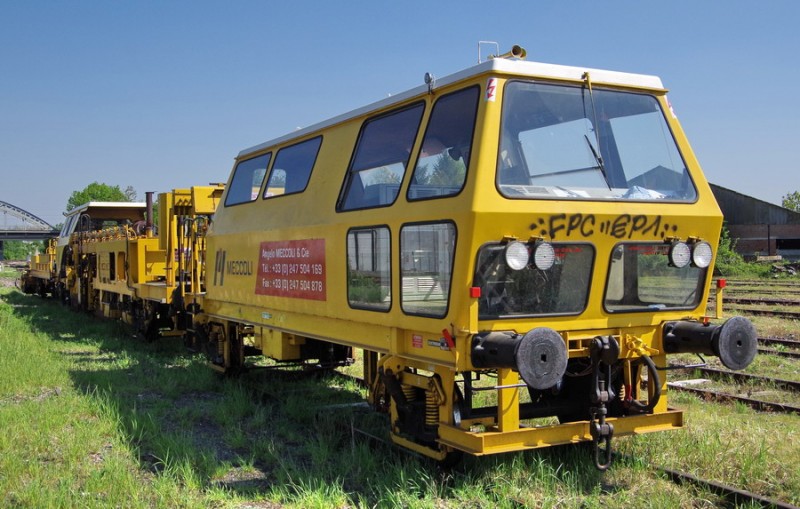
(433, 389)
(496, 441)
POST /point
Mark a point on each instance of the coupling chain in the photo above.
(601, 432)
(604, 351)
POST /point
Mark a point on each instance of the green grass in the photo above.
(91, 417)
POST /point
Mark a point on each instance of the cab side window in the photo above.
(441, 167)
(426, 267)
(292, 168)
(369, 268)
(247, 179)
(381, 156)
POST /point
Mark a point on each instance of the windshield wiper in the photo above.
(599, 159)
(597, 156)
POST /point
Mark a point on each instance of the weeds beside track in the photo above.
(99, 419)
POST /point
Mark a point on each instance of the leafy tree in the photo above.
(730, 263)
(100, 192)
(130, 193)
(20, 249)
(792, 201)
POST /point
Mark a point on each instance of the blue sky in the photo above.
(164, 94)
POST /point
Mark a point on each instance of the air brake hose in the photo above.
(652, 374)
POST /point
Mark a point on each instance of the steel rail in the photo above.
(780, 341)
(745, 377)
(732, 495)
(757, 404)
(736, 285)
(792, 315)
(781, 353)
(766, 301)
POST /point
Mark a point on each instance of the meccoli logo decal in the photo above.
(224, 266)
(219, 268)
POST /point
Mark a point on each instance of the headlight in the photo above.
(679, 254)
(702, 254)
(543, 255)
(517, 255)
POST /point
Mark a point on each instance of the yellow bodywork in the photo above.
(41, 270)
(414, 348)
(275, 272)
(148, 267)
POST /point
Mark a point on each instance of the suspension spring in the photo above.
(431, 409)
(220, 346)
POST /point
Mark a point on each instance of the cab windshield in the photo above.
(560, 290)
(568, 142)
(640, 278)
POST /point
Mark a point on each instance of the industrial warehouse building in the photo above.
(759, 228)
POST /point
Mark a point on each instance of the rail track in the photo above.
(729, 494)
(792, 343)
(780, 353)
(746, 378)
(788, 385)
(789, 315)
(757, 404)
(741, 295)
(762, 301)
(739, 283)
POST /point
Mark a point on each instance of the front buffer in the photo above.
(594, 398)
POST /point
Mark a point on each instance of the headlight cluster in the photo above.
(518, 255)
(698, 254)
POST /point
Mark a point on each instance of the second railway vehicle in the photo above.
(516, 248)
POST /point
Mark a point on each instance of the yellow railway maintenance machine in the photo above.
(53, 271)
(112, 260)
(515, 247)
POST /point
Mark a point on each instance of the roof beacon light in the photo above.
(702, 254)
(517, 255)
(680, 254)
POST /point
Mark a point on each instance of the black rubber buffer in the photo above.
(540, 356)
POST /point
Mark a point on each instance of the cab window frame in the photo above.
(476, 89)
(274, 164)
(356, 166)
(230, 188)
(376, 254)
(407, 306)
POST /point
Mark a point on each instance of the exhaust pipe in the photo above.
(148, 228)
(734, 342)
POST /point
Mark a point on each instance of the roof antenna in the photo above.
(496, 49)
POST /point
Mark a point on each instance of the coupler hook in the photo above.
(602, 432)
(602, 350)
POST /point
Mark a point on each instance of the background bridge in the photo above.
(18, 224)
